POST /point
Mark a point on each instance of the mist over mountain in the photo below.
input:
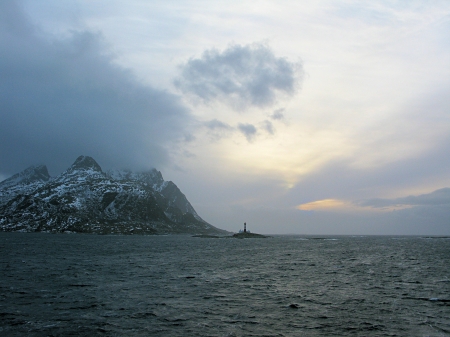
(85, 199)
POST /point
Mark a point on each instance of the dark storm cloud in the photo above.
(240, 76)
(436, 198)
(248, 130)
(61, 98)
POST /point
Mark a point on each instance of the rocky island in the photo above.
(245, 234)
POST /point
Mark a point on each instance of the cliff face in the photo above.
(85, 199)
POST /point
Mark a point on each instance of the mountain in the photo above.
(84, 199)
(24, 181)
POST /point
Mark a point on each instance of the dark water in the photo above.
(87, 285)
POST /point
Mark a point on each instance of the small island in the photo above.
(245, 234)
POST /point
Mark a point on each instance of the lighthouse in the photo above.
(245, 227)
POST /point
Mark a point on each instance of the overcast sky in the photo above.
(324, 117)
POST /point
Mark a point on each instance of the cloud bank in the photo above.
(437, 198)
(61, 98)
(240, 76)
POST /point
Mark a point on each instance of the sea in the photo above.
(94, 285)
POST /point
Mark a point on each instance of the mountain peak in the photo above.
(30, 175)
(152, 176)
(85, 163)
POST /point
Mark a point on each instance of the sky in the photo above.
(296, 117)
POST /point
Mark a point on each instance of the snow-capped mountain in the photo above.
(23, 182)
(85, 199)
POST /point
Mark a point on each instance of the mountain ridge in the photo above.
(84, 199)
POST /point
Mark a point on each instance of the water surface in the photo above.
(89, 285)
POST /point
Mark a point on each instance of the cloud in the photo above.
(396, 216)
(278, 115)
(240, 76)
(215, 124)
(268, 126)
(437, 198)
(248, 130)
(218, 130)
(325, 204)
(61, 98)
